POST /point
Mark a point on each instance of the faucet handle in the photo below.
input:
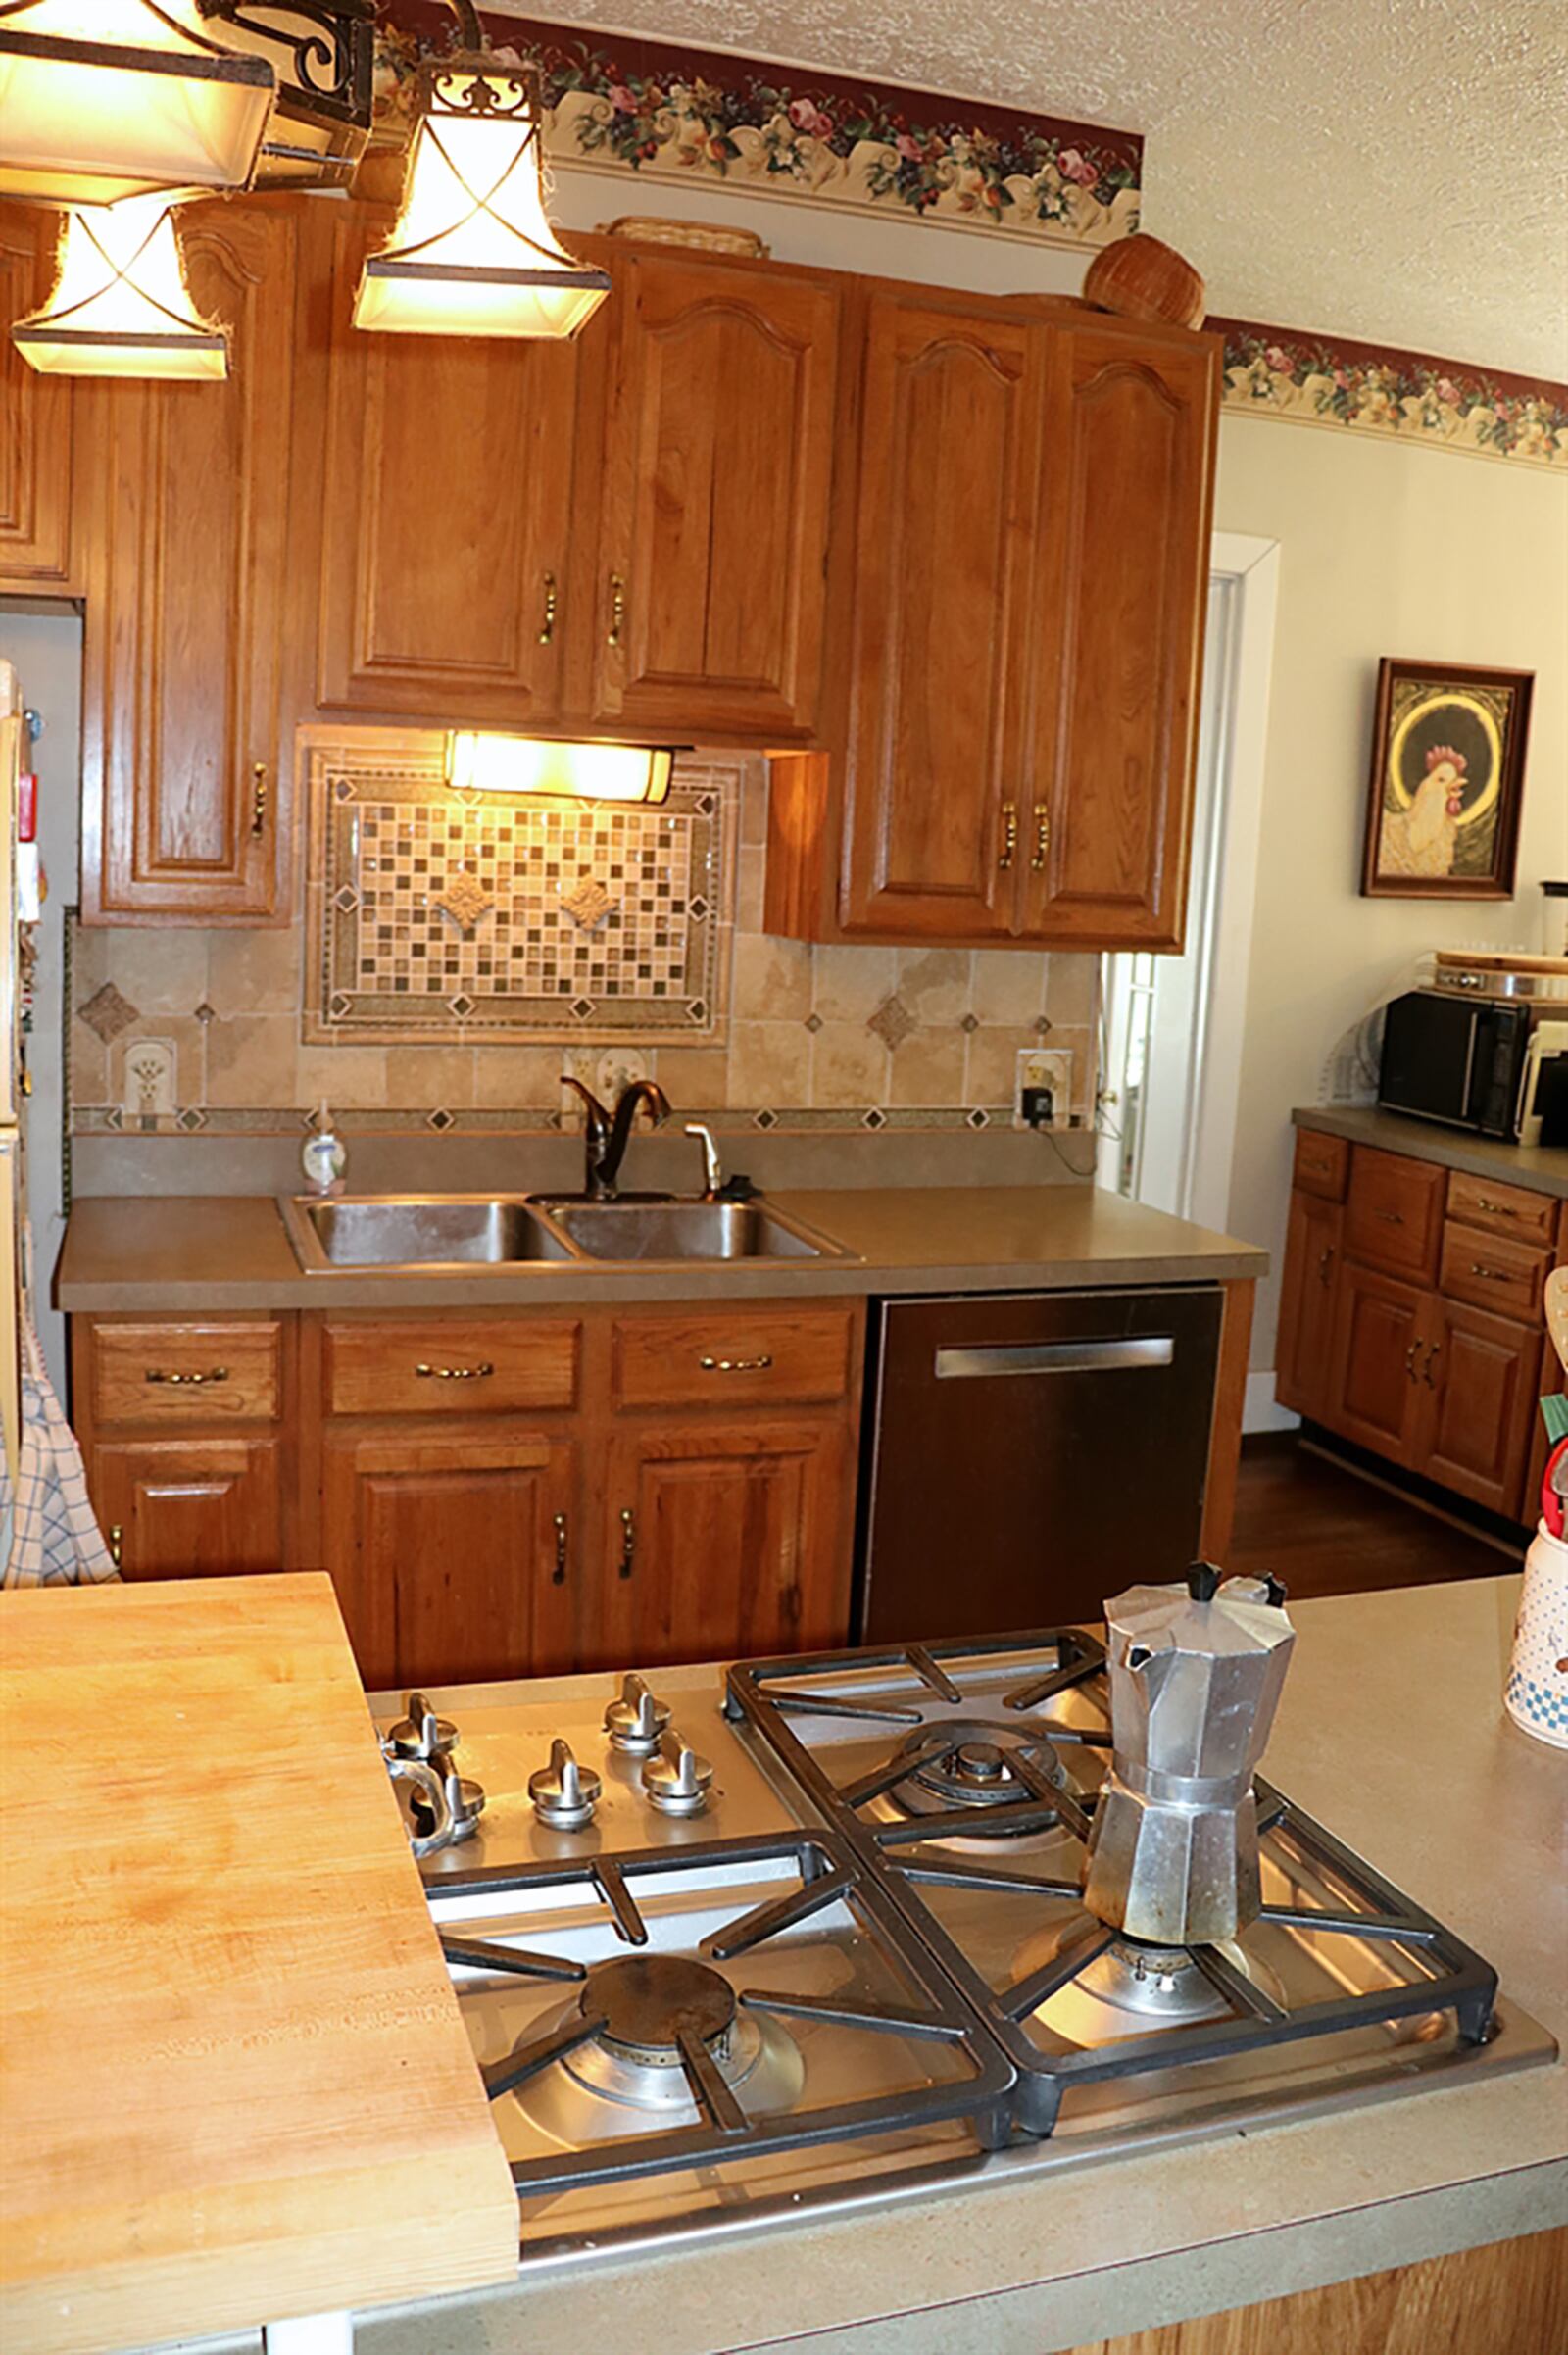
(712, 1167)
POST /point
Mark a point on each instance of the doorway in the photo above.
(1172, 1026)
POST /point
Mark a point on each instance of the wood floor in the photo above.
(1326, 1531)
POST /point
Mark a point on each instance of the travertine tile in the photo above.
(772, 978)
(518, 1077)
(928, 1068)
(768, 1064)
(754, 801)
(934, 983)
(255, 972)
(161, 969)
(751, 884)
(849, 1066)
(427, 1078)
(847, 985)
(991, 1067)
(250, 1060)
(349, 1078)
(695, 1079)
(1070, 990)
(1009, 985)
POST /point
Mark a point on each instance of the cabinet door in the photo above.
(447, 506)
(724, 1540)
(1479, 1379)
(1306, 1305)
(936, 790)
(180, 815)
(718, 483)
(1376, 1396)
(35, 417)
(453, 1555)
(191, 1507)
(1128, 466)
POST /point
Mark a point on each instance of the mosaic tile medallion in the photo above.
(457, 916)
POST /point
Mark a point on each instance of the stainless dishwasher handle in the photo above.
(1056, 1357)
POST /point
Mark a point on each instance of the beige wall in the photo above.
(1384, 550)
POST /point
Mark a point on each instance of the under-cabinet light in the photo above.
(484, 763)
(121, 306)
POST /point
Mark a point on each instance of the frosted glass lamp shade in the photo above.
(488, 763)
(121, 306)
(101, 99)
(473, 252)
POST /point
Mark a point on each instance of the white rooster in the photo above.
(1422, 839)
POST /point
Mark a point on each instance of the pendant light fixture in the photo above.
(484, 762)
(101, 99)
(473, 252)
(121, 306)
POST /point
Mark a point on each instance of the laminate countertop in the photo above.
(199, 1254)
(1391, 1733)
(1542, 1168)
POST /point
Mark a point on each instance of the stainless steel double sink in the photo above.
(404, 1233)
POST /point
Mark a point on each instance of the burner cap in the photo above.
(970, 1765)
(645, 1999)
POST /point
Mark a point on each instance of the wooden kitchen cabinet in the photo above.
(1304, 1358)
(711, 598)
(187, 779)
(1478, 1374)
(191, 1507)
(452, 1550)
(1379, 1332)
(37, 415)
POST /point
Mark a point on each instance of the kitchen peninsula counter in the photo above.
(1391, 1733)
(196, 1255)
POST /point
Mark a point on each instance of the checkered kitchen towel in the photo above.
(55, 1541)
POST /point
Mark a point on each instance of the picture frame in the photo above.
(1448, 744)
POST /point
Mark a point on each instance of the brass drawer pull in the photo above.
(1493, 1275)
(259, 799)
(628, 1541)
(1433, 1354)
(1409, 1361)
(559, 1574)
(1325, 1263)
(618, 610)
(216, 1373)
(735, 1365)
(117, 1543)
(547, 627)
(1042, 837)
(456, 1373)
(1498, 1209)
(1391, 1218)
(1009, 835)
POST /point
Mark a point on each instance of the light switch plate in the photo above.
(1045, 1067)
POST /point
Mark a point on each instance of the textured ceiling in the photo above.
(1390, 170)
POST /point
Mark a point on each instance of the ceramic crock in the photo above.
(1536, 1695)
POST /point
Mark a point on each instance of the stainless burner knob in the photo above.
(421, 1733)
(636, 1722)
(465, 1802)
(465, 1799)
(565, 1795)
(675, 1779)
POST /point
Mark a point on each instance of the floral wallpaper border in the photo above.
(1311, 379)
(670, 114)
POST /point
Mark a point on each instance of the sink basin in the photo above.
(685, 1230)
(401, 1230)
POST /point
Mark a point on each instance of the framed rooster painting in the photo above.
(1448, 776)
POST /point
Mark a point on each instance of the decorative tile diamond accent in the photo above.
(205, 1012)
(875, 1119)
(597, 918)
(466, 900)
(587, 906)
(440, 1121)
(892, 1022)
(191, 1119)
(1042, 1025)
(979, 1118)
(766, 1120)
(108, 1012)
(813, 1023)
(970, 1022)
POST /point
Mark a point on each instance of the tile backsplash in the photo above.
(177, 1031)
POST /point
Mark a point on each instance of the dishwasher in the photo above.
(1031, 1454)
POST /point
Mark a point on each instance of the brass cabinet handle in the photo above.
(618, 609)
(1493, 1275)
(1409, 1361)
(1009, 835)
(456, 1373)
(1325, 1262)
(547, 627)
(559, 1574)
(735, 1365)
(1391, 1218)
(117, 1543)
(1433, 1354)
(216, 1373)
(259, 799)
(1042, 837)
(1498, 1209)
(628, 1541)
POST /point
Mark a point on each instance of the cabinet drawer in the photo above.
(1394, 1218)
(441, 1365)
(1322, 1164)
(1493, 1271)
(187, 1373)
(1502, 1209)
(714, 1358)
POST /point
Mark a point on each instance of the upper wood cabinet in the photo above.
(37, 415)
(186, 790)
(942, 647)
(717, 491)
(446, 511)
(1129, 439)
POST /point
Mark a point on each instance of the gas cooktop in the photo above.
(812, 1933)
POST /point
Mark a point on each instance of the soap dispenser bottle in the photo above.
(324, 1155)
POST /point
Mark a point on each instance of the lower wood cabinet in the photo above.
(1305, 1354)
(1478, 1373)
(517, 1494)
(1377, 1395)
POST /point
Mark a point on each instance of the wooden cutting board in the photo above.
(234, 2085)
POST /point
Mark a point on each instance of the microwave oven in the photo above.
(1455, 1059)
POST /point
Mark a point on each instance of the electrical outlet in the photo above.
(1045, 1067)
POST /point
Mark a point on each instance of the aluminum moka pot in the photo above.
(1196, 1675)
